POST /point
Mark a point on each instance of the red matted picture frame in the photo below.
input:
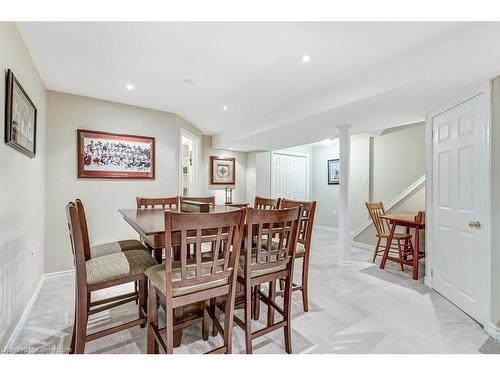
(109, 155)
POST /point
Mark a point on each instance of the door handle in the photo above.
(475, 224)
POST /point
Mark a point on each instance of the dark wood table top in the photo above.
(151, 221)
(404, 219)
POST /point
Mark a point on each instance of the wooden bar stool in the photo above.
(259, 265)
(108, 247)
(266, 203)
(209, 200)
(99, 273)
(376, 210)
(195, 279)
(155, 244)
(303, 243)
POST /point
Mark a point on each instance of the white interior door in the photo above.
(289, 176)
(459, 202)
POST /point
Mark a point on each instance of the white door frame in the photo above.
(308, 169)
(196, 157)
(485, 89)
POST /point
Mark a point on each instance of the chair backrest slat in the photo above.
(376, 209)
(266, 203)
(209, 200)
(279, 226)
(84, 228)
(170, 202)
(222, 231)
(307, 222)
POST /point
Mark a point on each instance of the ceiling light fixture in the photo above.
(190, 81)
(306, 58)
(130, 86)
(224, 108)
(326, 142)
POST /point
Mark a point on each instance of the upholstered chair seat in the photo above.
(256, 273)
(115, 266)
(157, 277)
(115, 247)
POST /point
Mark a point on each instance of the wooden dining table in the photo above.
(149, 223)
(408, 220)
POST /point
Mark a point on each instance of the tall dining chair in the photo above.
(210, 199)
(170, 202)
(266, 203)
(155, 244)
(105, 271)
(303, 250)
(376, 210)
(108, 247)
(178, 283)
(260, 265)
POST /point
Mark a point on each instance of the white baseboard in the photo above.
(60, 273)
(493, 331)
(24, 315)
(30, 305)
(363, 246)
(325, 228)
(428, 281)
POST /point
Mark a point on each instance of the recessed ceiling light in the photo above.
(231, 148)
(326, 142)
(306, 58)
(224, 108)
(130, 86)
(190, 81)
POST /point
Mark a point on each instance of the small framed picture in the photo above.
(20, 118)
(108, 155)
(333, 172)
(222, 170)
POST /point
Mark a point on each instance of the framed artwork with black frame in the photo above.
(20, 117)
(222, 170)
(333, 172)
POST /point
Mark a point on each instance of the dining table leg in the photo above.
(388, 246)
(416, 250)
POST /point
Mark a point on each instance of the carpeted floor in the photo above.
(353, 309)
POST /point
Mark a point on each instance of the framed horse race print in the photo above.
(109, 155)
(222, 170)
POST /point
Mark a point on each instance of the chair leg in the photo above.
(205, 323)
(82, 307)
(375, 253)
(256, 311)
(152, 346)
(272, 297)
(141, 284)
(213, 308)
(287, 309)
(169, 323)
(400, 254)
(73, 334)
(228, 325)
(248, 319)
(305, 282)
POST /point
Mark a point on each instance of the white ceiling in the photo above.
(358, 71)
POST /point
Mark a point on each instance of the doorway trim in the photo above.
(308, 169)
(196, 158)
(484, 88)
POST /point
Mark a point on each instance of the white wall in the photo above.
(327, 196)
(239, 189)
(263, 174)
(398, 161)
(22, 182)
(102, 198)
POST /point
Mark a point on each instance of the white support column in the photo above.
(344, 217)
